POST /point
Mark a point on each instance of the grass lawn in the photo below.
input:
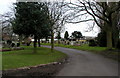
(99, 50)
(83, 47)
(26, 57)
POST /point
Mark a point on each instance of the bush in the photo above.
(3, 50)
(118, 44)
(101, 39)
(13, 44)
(92, 42)
(9, 42)
(28, 44)
(18, 44)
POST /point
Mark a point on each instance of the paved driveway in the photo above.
(83, 63)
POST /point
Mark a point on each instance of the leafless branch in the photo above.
(74, 22)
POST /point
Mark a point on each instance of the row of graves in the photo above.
(9, 43)
(76, 42)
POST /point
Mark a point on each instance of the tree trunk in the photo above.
(115, 36)
(39, 45)
(20, 39)
(46, 39)
(109, 39)
(58, 41)
(52, 41)
(35, 45)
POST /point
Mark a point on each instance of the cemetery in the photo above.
(60, 38)
(9, 43)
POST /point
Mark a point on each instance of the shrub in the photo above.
(13, 44)
(101, 39)
(9, 42)
(3, 50)
(18, 44)
(118, 44)
(28, 44)
(92, 42)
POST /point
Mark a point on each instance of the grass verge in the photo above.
(26, 57)
(113, 54)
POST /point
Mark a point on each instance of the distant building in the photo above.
(88, 37)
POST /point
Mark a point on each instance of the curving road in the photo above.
(83, 63)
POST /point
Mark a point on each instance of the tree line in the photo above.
(106, 15)
(44, 19)
(38, 19)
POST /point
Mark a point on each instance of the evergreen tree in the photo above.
(77, 35)
(31, 18)
(66, 35)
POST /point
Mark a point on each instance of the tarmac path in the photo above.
(83, 63)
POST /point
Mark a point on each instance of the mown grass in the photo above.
(83, 47)
(99, 50)
(26, 57)
(0, 60)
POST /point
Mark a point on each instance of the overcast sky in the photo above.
(6, 4)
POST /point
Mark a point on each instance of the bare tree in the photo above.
(56, 19)
(5, 22)
(102, 14)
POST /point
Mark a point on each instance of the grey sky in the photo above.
(6, 4)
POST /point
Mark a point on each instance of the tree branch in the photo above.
(96, 14)
(80, 21)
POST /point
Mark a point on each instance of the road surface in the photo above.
(83, 63)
